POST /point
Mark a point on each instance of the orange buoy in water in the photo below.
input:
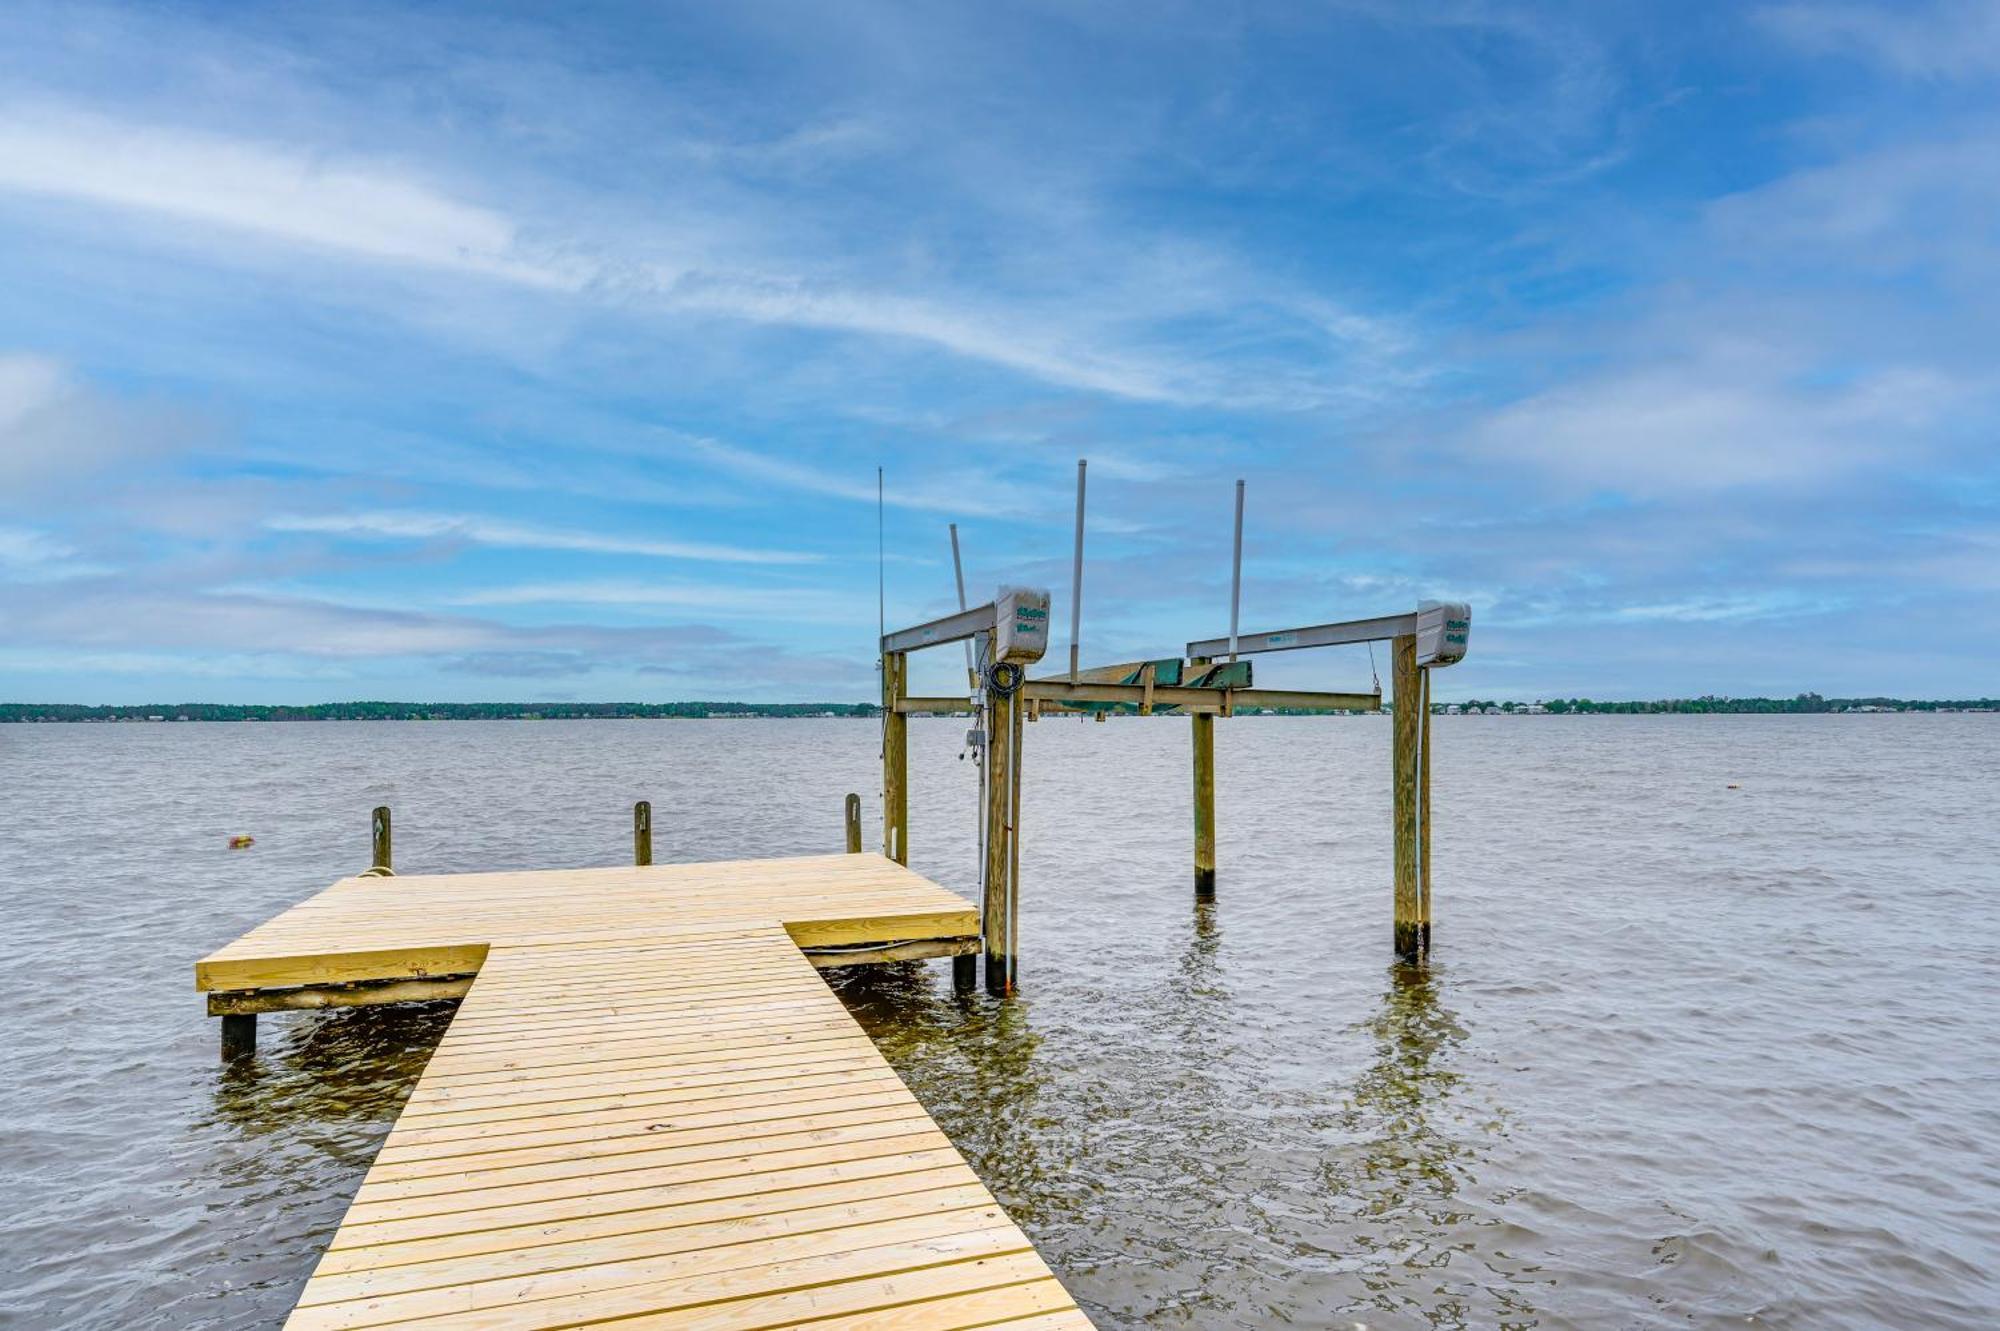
(242, 842)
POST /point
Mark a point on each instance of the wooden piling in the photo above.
(1406, 768)
(1204, 801)
(997, 913)
(382, 847)
(642, 832)
(895, 760)
(853, 824)
(1424, 821)
(239, 1036)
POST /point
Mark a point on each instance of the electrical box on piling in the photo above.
(1444, 629)
(1020, 625)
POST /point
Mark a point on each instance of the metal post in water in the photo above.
(642, 832)
(1076, 574)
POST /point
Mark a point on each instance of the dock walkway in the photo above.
(649, 1110)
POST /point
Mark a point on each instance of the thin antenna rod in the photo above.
(1076, 575)
(882, 631)
(1236, 572)
(881, 563)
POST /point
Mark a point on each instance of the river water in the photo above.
(1711, 1036)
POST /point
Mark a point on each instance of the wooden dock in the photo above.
(648, 1110)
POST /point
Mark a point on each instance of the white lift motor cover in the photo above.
(1020, 624)
(1443, 628)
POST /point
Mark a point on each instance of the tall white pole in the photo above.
(972, 657)
(958, 572)
(1236, 573)
(1076, 575)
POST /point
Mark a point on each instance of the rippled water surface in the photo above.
(1688, 1054)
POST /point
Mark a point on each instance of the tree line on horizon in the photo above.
(1802, 703)
(426, 711)
(565, 711)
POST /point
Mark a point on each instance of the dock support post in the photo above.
(964, 973)
(1204, 801)
(895, 760)
(998, 909)
(642, 832)
(1424, 819)
(380, 835)
(239, 1036)
(1407, 772)
(853, 824)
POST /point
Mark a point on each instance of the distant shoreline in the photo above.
(58, 713)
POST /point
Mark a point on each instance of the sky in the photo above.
(431, 352)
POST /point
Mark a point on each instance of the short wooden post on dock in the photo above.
(1204, 800)
(1407, 771)
(999, 910)
(239, 1036)
(895, 760)
(853, 824)
(382, 847)
(642, 832)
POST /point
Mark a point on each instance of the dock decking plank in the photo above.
(650, 1109)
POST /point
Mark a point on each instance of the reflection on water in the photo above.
(1593, 1108)
(331, 1067)
(984, 1049)
(1410, 1136)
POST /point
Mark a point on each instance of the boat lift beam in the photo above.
(955, 627)
(1381, 628)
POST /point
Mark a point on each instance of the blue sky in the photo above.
(468, 353)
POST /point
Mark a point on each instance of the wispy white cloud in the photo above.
(1718, 609)
(812, 604)
(388, 212)
(128, 628)
(1013, 345)
(28, 555)
(396, 525)
(966, 491)
(1941, 39)
(297, 197)
(54, 428)
(1707, 427)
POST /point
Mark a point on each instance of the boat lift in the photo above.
(1010, 633)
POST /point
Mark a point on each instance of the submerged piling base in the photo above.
(239, 1036)
(965, 973)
